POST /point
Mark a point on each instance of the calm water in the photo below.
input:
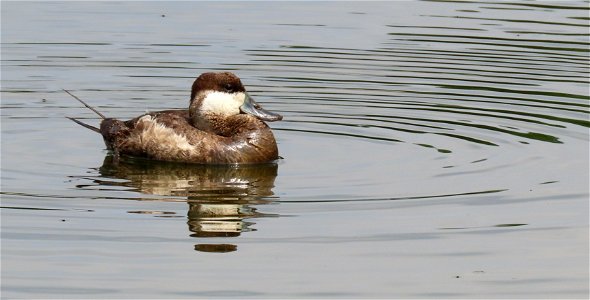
(431, 150)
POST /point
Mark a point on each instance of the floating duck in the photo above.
(223, 125)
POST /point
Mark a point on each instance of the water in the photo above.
(431, 150)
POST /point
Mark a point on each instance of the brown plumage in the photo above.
(223, 125)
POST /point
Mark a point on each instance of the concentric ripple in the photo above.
(431, 149)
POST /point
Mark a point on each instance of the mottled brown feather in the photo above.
(190, 136)
(243, 139)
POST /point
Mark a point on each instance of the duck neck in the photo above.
(217, 124)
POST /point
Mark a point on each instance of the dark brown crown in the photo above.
(223, 82)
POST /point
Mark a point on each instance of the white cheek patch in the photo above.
(223, 103)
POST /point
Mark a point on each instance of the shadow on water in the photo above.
(221, 198)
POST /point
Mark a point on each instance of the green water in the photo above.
(431, 150)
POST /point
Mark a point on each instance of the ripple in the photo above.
(462, 126)
(456, 89)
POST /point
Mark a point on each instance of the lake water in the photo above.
(431, 150)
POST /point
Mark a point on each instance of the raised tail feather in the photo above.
(91, 108)
(85, 125)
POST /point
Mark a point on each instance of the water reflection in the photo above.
(221, 198)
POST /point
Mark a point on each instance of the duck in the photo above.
(222, 125)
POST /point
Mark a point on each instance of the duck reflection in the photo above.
(221, 198)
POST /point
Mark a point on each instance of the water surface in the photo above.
(431, 150)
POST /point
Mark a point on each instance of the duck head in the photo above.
(216, 97)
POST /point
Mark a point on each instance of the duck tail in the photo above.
(85, 125)
(95, 129)
(90, 107)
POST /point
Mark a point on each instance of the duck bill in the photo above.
(252, 108)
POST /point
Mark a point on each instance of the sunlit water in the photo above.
(431, 149)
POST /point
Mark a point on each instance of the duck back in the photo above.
(170, 136)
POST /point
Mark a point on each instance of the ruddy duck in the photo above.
(223, 125)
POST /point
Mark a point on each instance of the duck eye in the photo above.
(228, 88)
